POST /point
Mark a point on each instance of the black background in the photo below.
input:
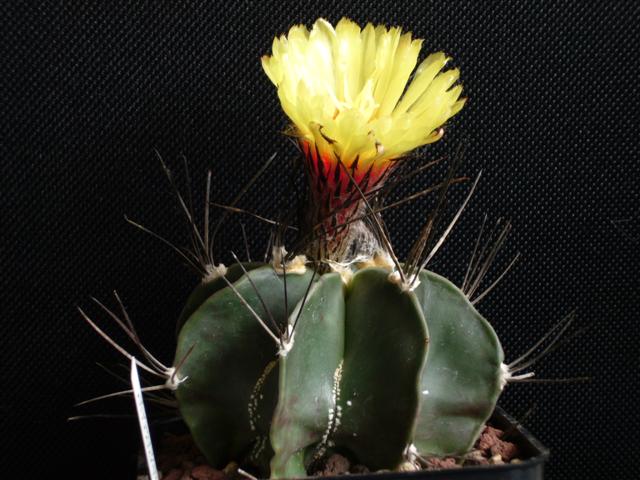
(92, 88)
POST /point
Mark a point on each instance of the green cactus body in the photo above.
(371, 369)
(386, 343)
(228, 386)
(207, 288)
(462, 379)
(361, 395)
(307, 377)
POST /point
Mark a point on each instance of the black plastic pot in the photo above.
(530, 469)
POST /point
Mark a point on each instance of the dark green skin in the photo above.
(386, 343)
(462, 374)
(231, 353)
(206, 289)
(376, 333)
(306, 377)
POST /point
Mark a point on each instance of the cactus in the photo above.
(371, 368)
(342, 347)
(346, 348)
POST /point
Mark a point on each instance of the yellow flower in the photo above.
(356, 104)
(348, 94)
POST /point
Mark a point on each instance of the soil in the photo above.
(179, 459)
